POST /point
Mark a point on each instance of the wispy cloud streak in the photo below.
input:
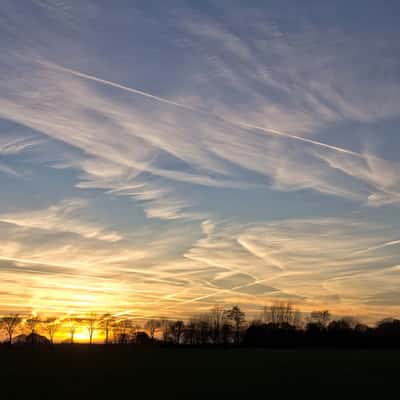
(197, 110)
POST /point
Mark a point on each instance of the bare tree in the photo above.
(283, 313)
(106, 323)
(321, 318)
(176, 328)
(91, 326)
(71, 326)
(164, 324)
(51, 326)
(237, 317)
(123, 331)
(199, 330)
(32, 323)
(10, 324)
(152, 325)
(189, 332)
(217, 321)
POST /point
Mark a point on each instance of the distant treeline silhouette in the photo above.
(281, 325)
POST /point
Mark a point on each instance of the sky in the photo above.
(161, 158)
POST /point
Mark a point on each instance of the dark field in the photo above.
(80, 369)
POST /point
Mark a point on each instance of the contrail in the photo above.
(116, 85)
(378, 247)
(197, 110)
(220, 291)
(299, 138)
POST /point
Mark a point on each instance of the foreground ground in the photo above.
(73, 371)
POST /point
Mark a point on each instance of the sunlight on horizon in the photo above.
(156, 162)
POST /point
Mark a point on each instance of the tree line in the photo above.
(280, 325)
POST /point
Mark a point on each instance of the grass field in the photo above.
(78, 369)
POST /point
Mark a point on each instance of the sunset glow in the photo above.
(208, 154)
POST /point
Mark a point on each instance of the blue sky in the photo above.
(161, 158)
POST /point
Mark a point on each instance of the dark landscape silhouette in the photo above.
(216, 352)
(281, 325)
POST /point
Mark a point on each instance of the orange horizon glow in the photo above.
(223, 163)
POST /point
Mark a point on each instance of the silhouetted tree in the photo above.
(256, 334)
(238, 318)
(124, 331)
(141, 338)
(10, 324)
(198, 330)
(388, 327)
(339, 327)
(91, 325)
(204, 326)
(71, 324)
(317, 326)
(152, 325)
(283, 313)
(273, 334)
(32, 323)
(314, 329)
(217, 319)
(321, 318)
(164, 325)
(105, 324)
(361, 329)
(189, 333)
(176, 329)
(51, 326)
(217, 326)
